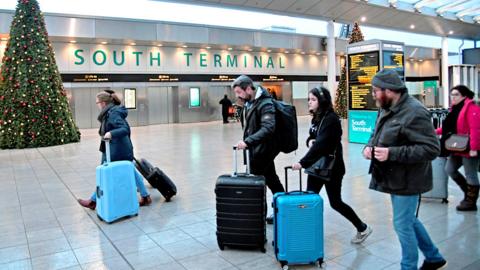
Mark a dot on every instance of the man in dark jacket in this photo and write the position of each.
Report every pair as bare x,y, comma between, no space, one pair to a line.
401,150
226,104
258,131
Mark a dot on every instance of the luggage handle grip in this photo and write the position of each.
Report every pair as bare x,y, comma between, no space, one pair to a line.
235,162
286,177
107,149
99,192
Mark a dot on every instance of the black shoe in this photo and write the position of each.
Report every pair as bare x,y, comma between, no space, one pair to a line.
269,219
433,265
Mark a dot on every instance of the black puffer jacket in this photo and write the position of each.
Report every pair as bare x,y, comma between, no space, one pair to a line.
327,140
406,129
259,129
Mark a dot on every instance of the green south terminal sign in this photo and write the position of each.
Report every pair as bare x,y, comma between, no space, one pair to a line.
100,58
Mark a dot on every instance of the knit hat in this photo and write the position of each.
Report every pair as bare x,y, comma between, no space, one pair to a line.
388,79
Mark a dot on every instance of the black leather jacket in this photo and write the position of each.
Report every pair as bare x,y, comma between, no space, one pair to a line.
258,132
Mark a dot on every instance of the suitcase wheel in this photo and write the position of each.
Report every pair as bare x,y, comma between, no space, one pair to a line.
220,245
444,200
169,198
263,250
320,263
284,265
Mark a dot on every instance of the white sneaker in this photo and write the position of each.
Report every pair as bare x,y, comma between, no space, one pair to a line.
361,236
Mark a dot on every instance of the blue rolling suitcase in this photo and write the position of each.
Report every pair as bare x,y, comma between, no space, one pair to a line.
298,226
116,189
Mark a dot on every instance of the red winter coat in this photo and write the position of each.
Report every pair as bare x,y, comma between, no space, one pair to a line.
468,122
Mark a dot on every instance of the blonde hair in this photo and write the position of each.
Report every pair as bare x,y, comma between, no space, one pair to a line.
108,96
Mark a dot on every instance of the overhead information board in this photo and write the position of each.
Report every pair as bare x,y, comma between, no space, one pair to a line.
361,69
394,60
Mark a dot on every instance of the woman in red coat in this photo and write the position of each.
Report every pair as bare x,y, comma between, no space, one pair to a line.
463,118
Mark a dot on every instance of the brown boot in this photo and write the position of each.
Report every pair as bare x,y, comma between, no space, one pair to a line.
145,201
462,183
470,203
87,203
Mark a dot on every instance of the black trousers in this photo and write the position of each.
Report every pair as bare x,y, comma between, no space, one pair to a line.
271,178
225,117
334,193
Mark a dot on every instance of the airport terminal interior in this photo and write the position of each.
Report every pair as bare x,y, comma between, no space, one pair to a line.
171,62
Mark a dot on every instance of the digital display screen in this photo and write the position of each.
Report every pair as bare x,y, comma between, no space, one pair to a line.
194,97
130,98
361,69
394,60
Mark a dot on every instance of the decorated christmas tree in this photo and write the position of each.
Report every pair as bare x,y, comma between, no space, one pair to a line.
341,98
34,109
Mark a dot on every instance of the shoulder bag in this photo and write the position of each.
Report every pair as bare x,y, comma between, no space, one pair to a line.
322,168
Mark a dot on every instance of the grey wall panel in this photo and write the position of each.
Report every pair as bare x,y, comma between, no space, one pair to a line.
142,104
272,40
301,106
82,99
70,27
307,43
125,30
95,111
5,22
182,33
174,104
230,36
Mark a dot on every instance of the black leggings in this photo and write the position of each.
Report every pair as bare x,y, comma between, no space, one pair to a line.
334,192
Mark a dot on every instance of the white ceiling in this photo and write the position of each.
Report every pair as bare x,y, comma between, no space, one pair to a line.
389,14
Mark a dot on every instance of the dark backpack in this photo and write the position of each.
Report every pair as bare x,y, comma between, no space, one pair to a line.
286,130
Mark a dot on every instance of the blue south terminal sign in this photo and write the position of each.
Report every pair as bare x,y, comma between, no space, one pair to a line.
361,125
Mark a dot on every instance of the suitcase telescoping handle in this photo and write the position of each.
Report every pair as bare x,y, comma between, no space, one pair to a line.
286,177
107,149
235,162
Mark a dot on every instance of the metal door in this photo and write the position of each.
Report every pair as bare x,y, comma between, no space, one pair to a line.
158,106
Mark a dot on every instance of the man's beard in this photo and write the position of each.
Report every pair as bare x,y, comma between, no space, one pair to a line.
384,102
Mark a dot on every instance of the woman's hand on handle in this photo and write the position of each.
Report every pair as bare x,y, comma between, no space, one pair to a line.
107,136
296,166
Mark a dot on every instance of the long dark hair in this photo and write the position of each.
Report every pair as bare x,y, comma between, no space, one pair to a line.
324,102
464,91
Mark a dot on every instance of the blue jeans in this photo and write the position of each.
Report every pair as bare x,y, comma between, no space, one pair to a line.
470,165
138,181
411,233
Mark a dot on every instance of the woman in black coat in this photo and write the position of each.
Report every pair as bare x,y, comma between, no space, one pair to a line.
325,139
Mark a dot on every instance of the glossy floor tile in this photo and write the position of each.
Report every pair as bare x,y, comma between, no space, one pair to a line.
43,227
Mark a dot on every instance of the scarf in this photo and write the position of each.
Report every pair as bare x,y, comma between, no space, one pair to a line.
102,118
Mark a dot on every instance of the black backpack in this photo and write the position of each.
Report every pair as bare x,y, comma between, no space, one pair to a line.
286,130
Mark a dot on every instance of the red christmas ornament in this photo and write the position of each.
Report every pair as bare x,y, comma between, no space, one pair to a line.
46,117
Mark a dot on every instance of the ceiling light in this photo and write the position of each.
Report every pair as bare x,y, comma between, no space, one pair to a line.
450,32
420,60
184,46
230,48
412,26
71,41
208,47
159,45
104,42
133,43
286,51
250,50
363,18
269,50
318,53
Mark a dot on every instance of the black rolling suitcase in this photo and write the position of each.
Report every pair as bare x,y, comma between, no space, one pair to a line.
241,202
157,178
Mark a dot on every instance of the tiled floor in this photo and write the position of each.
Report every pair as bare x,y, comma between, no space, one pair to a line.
43,227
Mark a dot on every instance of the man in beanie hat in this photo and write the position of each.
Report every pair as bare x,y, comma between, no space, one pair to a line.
258,132
401,150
